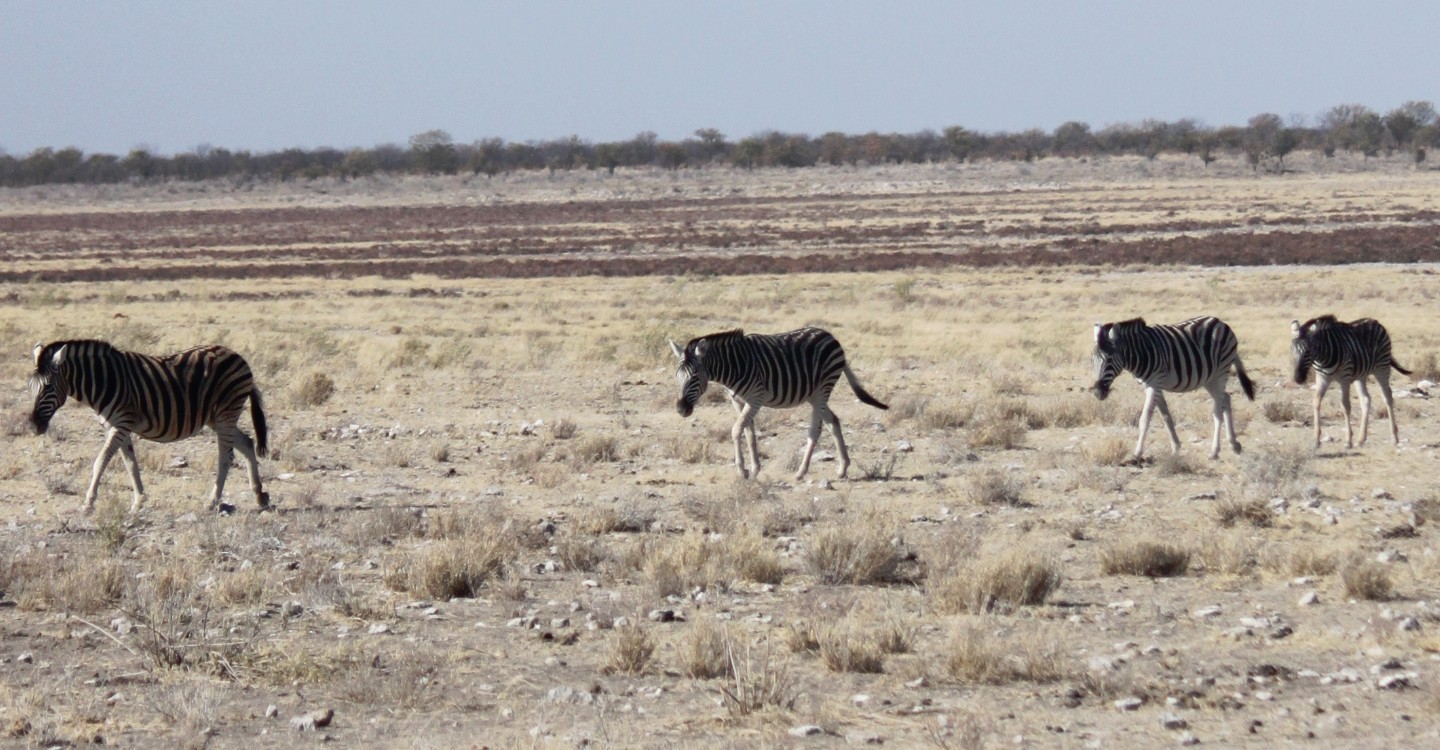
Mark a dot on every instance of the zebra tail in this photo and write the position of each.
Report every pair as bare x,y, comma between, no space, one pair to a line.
1245,382
257,415
861,393
1398,368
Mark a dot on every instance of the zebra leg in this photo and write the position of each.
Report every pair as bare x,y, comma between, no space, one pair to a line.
1345,405
1382,378
1230,423
222,467
1146,412
113,440
127,452
815,419
839,441
737,433
1364,410
247,449
1320,387
1164,408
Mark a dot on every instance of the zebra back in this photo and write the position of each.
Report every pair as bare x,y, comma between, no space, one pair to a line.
1179,357
1345,351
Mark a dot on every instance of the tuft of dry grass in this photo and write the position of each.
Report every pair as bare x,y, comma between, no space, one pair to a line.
1111,450
930,413
759,682
1277,411
981,652
704,651
997,582
1276,471
992,431
1144,558
449,568
849,646
705,561
1256,512
1303,559
1169,464
579,553
312,389
995,487
1366,580
629,650
858,555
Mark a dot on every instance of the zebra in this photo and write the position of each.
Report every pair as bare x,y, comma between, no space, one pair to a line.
1197,353
157,398
1345,353
780,371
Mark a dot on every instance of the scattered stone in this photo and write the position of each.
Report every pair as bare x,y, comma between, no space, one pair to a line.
292,609
1408,623
1122,605
590,583
860,699
271,711
1205,612
863,738
904,446
1264,695
312,721
1309,598
1129,704
1394,682
805,730
1201,496
663,615
567,694
26,658
559,622
1387,665
1188,739
1391,555
522,622
1259,623
918,682
378,628
1381,494
1173,721
1284,631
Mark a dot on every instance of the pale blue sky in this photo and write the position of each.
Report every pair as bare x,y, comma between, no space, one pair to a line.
108,76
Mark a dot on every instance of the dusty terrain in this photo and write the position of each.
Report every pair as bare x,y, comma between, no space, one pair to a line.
494,530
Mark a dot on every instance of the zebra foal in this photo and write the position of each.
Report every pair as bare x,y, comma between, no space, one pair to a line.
1344,353
157,398
779,371
1197,353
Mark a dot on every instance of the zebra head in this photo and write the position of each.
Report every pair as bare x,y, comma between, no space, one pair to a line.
691,373
48,384
1106,359
1302,348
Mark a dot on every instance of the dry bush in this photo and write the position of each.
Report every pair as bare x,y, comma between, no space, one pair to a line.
802,636
439,452
688,449
1017,410
245,586
629,650
191,705
280,663
1111,450
680,565
760,682
992,431
705,651
860,555
1256,512
1366,579
1080,411
1299,559
848,646
579,553
930,413
312,389
997,581
382,526
1283,412
896,634
563,429
1228,553
407,679
178,626
449,568
1426,368
83,581
525,459
977,653
995,487
609,520
411,353
1276,471
1171,464
749,506
593,449
1144,558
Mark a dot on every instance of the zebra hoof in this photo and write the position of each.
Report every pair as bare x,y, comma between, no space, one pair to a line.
225,509
264,501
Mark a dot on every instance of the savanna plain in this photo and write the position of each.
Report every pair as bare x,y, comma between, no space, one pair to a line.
492,528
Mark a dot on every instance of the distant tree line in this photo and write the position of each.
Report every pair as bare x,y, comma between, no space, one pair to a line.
1265,140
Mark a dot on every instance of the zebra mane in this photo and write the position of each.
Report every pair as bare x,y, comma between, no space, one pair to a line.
45,359
1319,324
1128,325
722,336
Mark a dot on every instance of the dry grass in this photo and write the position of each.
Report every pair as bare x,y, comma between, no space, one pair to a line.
999,581
313,389
1366,580
1111,450
982,652
849,646
995,487
851,555
692,561
1257,513
704,651
1284,411
760,681
449,568
629,650
1144,558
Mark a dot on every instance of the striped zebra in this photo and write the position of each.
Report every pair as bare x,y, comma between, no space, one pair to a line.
779,371
1344,353
1197,353
157,398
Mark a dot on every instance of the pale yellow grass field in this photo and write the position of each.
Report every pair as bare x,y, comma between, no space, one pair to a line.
447,391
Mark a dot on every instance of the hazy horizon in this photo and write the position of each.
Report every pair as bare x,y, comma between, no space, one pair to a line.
265,76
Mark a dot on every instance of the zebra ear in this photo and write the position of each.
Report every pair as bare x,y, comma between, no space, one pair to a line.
679,353
39,347
701,346
1098,328
1294,329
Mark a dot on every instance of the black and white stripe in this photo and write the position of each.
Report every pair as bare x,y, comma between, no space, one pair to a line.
1344,353
780,371
157,398
1197,353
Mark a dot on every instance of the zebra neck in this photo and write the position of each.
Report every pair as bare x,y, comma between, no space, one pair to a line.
726,369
